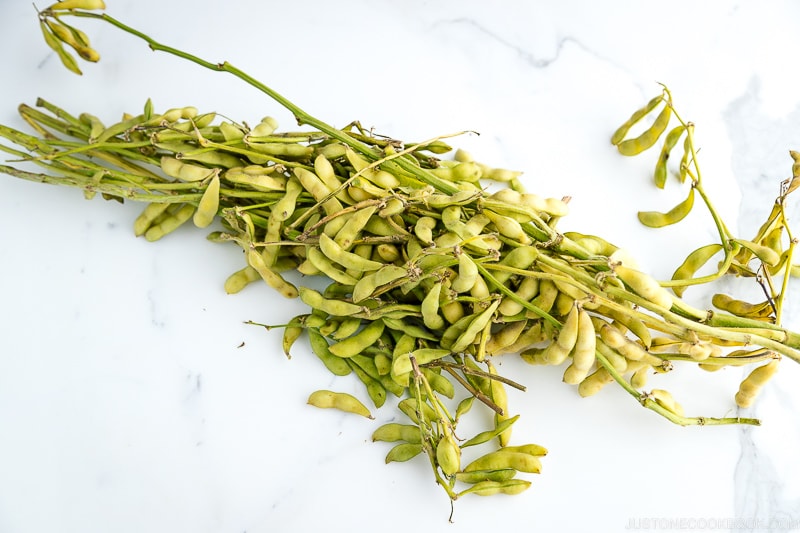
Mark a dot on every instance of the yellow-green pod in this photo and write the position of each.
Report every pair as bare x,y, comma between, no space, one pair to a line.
594,382
467,274
347,326
763,253
175,217
393,432
649,137
284,208
272,278
474,328
655,219
430,308
753,383
357,343
240,279
508,227
500,399
209,204
148,215
294,328
326,266
403,452
506,336
660,174
231,132
353,226
522,462
349,260
638,115
448,455
644,285
342,401
316,300
364,287
693,262
490,488
477,476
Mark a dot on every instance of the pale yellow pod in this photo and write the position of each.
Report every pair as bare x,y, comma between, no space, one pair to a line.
568,335
284,208
594,382
583,353
752,384
664,399
209,204
448,455
638,379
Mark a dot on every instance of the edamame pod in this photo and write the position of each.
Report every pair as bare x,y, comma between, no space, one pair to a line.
357,343
342,401
753,383
393,432
655,219
209,204
315,300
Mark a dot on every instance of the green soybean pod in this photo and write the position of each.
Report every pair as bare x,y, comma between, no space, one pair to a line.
754,382
294,328
660,174
648,137
522,462
693,262
439,383
240,279
489,488
177,215
467,274
272,278
316,300
476,476
403,452
285,207
656,219
326,399
486,436
357,343
638,115
393,432
349,260
448,455
763,253
209,204
336,365
500,399
319,260
375,389
430,308
148,215
531,449
347,327
353,226
474,328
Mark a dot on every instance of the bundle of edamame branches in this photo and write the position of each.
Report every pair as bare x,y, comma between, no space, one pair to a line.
430,275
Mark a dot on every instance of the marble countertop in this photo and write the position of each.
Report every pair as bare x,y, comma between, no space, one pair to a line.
134,398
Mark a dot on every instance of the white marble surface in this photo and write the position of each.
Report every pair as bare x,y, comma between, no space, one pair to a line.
132,396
